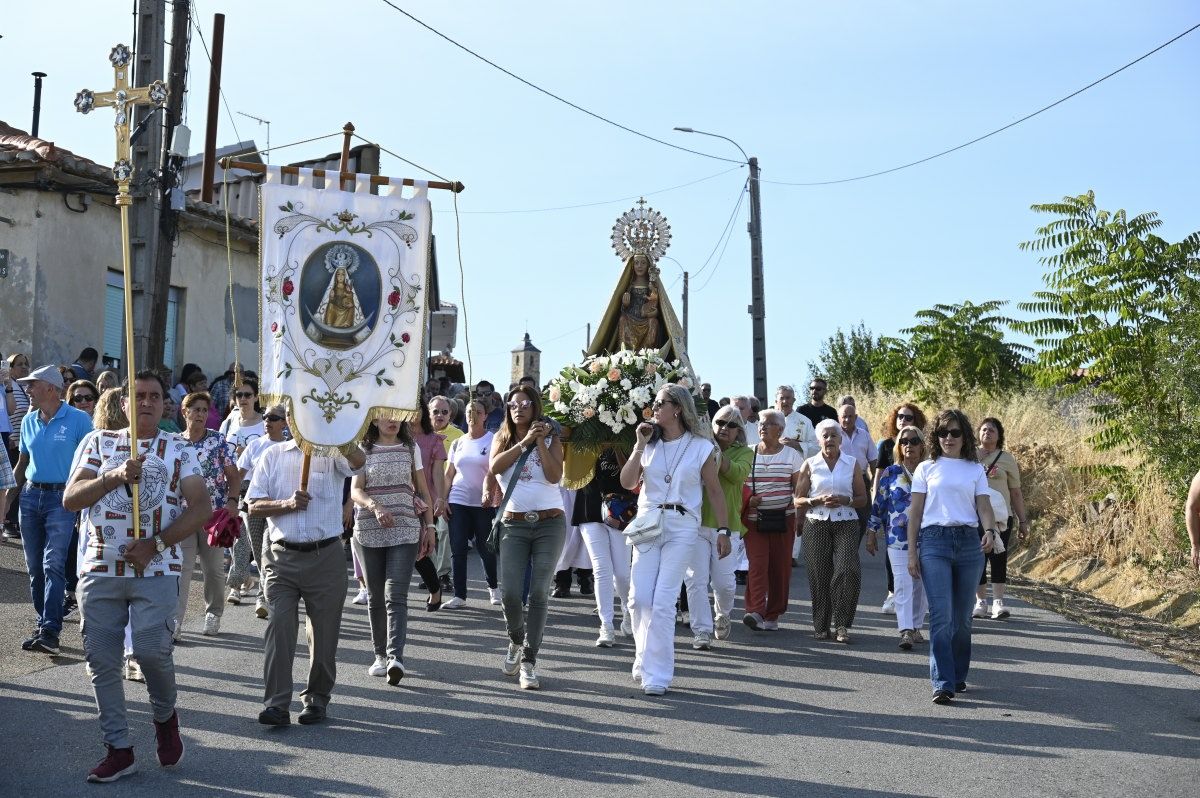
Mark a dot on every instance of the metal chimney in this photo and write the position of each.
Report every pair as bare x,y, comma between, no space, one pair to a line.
37,102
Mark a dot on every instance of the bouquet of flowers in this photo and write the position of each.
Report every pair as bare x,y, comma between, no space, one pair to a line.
605,397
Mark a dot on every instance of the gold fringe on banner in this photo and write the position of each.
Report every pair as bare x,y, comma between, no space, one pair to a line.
319,450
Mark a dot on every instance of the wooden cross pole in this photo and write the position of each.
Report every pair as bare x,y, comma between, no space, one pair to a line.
123,99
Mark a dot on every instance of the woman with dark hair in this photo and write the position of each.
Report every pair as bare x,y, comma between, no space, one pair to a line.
432,448
181,388
471,496
676,462
533,526
903,414
1004,477
390,536
244,423
949,498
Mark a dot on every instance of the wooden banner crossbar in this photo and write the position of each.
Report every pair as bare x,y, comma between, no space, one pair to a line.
376,180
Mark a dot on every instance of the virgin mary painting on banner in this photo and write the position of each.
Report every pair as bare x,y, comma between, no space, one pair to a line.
344,313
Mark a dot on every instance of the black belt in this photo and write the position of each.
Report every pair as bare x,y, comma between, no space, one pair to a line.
320,544
677,507
48,485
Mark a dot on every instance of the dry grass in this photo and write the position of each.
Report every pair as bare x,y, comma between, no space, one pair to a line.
1075,522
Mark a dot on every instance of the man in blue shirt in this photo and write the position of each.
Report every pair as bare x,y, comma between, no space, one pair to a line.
50,433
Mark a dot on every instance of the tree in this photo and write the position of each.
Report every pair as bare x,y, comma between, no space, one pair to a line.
1122,303
951,351
847,361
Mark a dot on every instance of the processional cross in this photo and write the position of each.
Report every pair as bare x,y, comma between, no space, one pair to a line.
123,99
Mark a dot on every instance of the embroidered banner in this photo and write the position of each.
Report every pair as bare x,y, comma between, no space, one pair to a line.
344,313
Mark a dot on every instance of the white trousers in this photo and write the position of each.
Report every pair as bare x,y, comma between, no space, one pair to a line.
708,566
738,554
655,579
610,566
911,603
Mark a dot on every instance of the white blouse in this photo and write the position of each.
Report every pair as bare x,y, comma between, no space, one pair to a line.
839,481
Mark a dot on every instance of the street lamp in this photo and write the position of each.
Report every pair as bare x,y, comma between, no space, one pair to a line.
757,307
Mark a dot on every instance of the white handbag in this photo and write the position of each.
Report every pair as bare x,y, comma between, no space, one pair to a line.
645,527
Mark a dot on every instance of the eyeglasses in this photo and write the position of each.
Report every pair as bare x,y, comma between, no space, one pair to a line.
244,395
79,399
723,424
816,388
658,403
910,441
949,433
272,417
905,417
519,404
439,412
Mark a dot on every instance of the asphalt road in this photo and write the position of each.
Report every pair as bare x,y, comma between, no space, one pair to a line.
1053,709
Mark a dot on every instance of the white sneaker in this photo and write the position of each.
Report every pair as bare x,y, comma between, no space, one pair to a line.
998,610
234,597
626,626
395,671
454,603
512,660
529,678
722,628
212,624
771,626
607,637
494,596
980,610
260,607
702,641
889,604
361,596
133,671
380,666
654,689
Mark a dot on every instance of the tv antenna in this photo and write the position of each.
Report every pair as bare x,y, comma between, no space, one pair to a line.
266,122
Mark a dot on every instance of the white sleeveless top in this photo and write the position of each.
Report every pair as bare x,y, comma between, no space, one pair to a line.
840,481
682,458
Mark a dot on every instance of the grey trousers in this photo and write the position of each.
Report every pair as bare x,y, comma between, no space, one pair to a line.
388,570
212,565
524,544
318,577
147,604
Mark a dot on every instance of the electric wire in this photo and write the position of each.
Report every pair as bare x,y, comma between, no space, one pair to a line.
978,139
721,257
725,231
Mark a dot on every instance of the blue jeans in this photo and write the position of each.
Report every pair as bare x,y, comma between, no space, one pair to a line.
46,528
467,522
951,562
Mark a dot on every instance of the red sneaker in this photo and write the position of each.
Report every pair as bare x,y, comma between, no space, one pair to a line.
170,745
119,762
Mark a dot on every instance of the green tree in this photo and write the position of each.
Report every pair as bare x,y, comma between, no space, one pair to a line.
951,351
1122,303
847,361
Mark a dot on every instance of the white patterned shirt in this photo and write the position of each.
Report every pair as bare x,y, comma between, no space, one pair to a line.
277,477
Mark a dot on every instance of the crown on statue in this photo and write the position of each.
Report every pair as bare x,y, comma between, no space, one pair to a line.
641,231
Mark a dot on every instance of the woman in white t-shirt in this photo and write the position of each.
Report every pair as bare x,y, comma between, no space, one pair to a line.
949,499
677,470
471,498
245,423
534,525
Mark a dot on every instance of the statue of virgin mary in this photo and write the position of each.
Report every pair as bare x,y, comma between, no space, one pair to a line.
339,317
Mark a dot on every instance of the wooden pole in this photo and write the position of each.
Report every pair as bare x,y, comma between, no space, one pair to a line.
214,104
376,180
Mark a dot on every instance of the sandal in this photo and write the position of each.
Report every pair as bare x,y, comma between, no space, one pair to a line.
431,605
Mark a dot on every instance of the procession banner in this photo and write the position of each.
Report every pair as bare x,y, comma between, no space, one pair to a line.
343,309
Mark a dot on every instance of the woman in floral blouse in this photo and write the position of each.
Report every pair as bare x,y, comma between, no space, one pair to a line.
889,514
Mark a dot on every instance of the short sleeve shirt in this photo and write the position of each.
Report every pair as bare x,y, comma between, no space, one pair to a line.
108,524
771,479
388,474
252,453
51,446
471,458
213,453
950,486
1002,475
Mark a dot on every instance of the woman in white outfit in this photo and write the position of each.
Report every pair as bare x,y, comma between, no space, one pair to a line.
601,511
676,469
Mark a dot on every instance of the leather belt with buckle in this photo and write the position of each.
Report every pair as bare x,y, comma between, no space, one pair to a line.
533,516
48,485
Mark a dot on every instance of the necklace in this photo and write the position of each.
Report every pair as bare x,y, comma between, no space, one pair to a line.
678,459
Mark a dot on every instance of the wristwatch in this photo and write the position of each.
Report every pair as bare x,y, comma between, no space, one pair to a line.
159,544
724,530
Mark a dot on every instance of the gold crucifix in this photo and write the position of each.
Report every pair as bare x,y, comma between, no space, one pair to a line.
122,99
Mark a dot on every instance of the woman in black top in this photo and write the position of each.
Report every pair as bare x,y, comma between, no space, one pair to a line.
602,509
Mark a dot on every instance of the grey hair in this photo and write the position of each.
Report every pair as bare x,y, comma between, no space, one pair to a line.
772,414
847,400
682,398
782,388
279,409
825,424
728,411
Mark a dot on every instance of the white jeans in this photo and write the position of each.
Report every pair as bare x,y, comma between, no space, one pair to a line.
911,604
655,579
706,566
610,564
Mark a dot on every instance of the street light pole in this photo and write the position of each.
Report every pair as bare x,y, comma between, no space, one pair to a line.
757,308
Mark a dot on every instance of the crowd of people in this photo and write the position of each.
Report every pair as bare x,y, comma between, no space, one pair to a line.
712,495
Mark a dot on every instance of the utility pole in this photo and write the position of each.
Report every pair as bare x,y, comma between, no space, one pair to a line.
143,215
685,310
757,308
158,287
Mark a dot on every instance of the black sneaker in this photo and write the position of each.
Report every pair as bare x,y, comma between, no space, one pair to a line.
942,697
47,643
274,716
11,532
69,604
27,644
961,687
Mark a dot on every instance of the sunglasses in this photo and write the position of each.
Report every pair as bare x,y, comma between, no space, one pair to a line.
949,433
910,441
816,388
79,399
905,417
724,424
244,395
658,403
272,417
439,412
519,404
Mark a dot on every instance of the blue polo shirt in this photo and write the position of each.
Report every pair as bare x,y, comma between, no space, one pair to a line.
51,447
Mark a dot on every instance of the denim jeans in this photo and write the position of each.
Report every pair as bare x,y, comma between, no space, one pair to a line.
467,522
951,561
535,546
46,528
387,571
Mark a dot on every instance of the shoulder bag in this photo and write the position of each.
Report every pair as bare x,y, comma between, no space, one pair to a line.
493,539
648,524
770,522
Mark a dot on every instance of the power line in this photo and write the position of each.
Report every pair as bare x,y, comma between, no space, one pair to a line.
551,94
978,139
721,257
725,231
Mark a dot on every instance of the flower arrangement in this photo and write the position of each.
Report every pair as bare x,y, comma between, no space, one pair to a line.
603,398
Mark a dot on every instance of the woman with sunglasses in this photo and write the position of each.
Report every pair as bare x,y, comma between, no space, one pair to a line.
901,415
676,462
275,422
214,452
533,526
829,488
893,497
244,423
949,499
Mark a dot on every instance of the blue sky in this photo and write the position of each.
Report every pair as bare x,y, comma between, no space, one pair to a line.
816,92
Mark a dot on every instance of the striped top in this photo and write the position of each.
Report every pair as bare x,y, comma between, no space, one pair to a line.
771,478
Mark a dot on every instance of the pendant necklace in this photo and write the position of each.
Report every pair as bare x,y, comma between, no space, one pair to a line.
678,459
